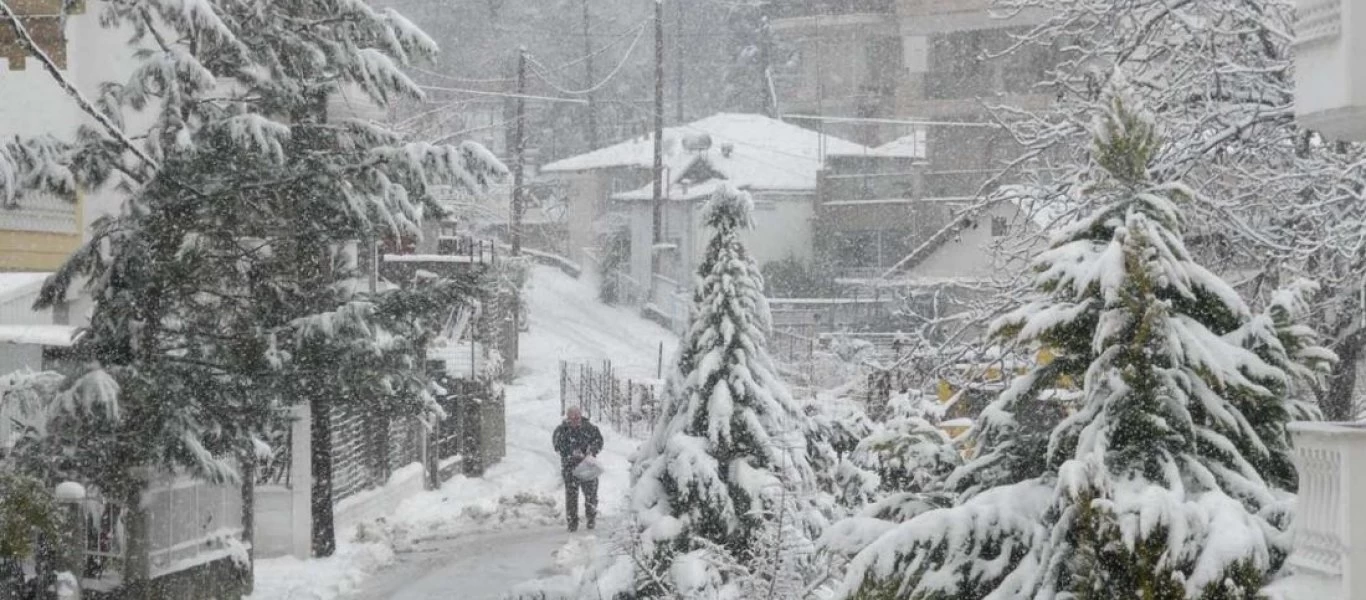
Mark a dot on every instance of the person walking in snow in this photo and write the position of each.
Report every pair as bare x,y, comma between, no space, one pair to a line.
576,439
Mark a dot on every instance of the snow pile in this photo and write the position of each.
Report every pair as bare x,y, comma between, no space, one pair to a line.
451,511
570,561
320,579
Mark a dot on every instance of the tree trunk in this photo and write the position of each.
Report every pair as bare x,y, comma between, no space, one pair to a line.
137,547
248,469
324,534
1337,403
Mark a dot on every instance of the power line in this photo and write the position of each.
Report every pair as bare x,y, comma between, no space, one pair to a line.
435,88
460,79
624,59
439,108
454,134
617,39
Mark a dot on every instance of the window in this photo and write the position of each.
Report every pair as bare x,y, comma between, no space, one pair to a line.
999,227
869,248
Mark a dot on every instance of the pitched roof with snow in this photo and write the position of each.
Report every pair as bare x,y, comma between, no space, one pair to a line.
750,151
915,145
15,284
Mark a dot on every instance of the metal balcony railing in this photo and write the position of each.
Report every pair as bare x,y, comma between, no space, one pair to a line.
809,8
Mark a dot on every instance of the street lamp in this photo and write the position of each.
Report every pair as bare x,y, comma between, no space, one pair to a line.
1330,67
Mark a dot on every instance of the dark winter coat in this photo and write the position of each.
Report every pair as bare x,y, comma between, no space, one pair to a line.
585,440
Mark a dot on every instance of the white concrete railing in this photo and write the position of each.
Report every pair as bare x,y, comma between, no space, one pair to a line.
284,520
1329,556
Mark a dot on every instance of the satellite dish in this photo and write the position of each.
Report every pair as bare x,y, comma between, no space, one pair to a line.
697,142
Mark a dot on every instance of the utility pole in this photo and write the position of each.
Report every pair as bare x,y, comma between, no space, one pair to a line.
519,153
659,145
588,81
518,166
678,63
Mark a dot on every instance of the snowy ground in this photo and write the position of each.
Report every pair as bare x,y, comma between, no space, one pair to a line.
475,538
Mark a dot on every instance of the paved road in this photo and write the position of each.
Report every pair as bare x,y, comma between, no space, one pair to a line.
480,566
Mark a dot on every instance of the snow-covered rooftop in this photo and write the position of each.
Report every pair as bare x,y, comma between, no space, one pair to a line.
675,191
751,151
914,145
15,284
61,336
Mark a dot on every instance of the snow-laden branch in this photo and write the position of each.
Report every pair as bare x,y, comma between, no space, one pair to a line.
26,40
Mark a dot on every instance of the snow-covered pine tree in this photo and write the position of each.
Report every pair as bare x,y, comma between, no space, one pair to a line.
223,266
727,459
908,451
1279,335
1165,478
837,425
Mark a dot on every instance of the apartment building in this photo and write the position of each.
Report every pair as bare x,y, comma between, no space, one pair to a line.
840,58
915,78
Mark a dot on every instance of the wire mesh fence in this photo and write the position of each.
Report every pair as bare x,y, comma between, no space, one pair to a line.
629,406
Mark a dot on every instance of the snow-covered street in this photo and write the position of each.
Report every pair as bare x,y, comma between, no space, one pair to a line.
475,538
475,565
817,299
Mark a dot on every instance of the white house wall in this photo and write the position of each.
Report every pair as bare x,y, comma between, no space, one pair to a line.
782,227
970,253
33,104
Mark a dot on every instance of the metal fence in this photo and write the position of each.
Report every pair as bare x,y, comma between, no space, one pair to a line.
368,448
629,406
791,348
474,433
185,524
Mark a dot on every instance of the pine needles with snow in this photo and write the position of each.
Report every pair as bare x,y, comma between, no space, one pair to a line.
1167,474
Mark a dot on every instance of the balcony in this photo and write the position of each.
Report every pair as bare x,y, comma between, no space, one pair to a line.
1328,559
1330,78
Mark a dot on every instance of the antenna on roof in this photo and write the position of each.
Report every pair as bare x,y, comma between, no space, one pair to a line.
697,142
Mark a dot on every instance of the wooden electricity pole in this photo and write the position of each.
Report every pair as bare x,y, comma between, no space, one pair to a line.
518,165
588,81
659,145
519,154
678,64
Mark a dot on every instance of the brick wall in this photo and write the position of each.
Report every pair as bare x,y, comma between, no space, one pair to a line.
41,19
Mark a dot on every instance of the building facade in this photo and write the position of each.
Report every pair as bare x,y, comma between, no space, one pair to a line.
843,58
917,78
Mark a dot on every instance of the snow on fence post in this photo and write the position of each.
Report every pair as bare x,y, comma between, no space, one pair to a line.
1329,553
71,539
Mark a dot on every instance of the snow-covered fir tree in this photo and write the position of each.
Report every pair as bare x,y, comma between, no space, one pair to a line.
1167,476
223,287
717,493
1280,336
837,425
908,451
